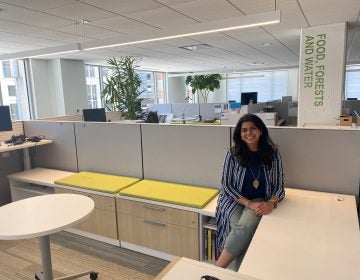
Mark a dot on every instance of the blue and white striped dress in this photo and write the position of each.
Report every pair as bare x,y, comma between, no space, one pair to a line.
232,183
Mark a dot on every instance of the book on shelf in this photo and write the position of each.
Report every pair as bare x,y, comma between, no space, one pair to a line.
210,245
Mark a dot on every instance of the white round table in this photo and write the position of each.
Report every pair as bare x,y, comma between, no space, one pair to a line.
41,216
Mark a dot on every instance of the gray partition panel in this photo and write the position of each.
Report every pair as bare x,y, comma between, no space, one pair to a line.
185,154
59,155
207,111
159,108
189,109
111,148
318,159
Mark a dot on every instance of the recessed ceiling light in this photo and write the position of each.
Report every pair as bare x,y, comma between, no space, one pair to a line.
256,63
196,47
265,45
85,21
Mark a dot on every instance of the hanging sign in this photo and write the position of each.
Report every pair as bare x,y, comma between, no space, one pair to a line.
321,74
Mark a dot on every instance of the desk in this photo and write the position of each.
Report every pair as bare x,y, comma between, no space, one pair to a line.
183,120
311,235
184,268
25,147
41,216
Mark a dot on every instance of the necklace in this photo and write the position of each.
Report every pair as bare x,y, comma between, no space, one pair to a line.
256,181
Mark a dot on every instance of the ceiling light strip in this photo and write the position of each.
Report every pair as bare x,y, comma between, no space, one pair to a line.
233,23
43,52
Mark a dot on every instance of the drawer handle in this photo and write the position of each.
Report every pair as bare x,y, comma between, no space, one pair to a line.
153,208
154,223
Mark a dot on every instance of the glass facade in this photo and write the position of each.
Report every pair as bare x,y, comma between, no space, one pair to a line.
352,82
14,91
270,85
152,86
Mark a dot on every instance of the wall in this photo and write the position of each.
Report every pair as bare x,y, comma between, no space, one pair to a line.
40,87
10,162
176,89
58,86
74,85
293,80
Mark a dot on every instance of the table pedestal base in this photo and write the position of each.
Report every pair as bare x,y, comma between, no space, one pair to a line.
46,274
93,276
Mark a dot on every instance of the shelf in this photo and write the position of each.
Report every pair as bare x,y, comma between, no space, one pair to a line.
209,226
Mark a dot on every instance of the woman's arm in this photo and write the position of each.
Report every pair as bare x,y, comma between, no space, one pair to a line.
278,178
227,179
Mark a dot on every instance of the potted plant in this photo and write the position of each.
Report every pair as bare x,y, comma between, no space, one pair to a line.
204,84
122,87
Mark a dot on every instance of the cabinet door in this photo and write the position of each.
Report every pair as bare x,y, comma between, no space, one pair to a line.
101,202
102,221
158,213
168,238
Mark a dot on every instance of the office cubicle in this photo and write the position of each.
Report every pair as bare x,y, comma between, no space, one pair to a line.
112,148
59,155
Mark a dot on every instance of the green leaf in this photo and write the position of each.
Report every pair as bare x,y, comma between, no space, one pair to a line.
122,86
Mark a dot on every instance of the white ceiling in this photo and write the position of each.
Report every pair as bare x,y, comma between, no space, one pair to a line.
34,24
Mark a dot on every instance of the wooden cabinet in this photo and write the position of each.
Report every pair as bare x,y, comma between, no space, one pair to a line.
102,220
166,229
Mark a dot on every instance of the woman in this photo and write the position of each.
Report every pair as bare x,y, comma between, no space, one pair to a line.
252,184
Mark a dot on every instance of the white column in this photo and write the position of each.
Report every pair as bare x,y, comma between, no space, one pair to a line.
321,74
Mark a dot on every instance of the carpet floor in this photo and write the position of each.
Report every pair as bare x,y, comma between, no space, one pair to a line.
72,254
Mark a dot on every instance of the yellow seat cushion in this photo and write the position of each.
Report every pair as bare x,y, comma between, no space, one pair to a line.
186,195
97,181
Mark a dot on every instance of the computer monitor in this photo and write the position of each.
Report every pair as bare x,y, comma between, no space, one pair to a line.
247,96
94,115
286,98
234,105
5,119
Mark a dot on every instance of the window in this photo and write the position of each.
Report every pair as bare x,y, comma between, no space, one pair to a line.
152,85
6,69
352,82
270,85
93,86
12,90
14,112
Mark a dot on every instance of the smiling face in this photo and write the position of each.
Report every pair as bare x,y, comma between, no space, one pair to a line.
250,134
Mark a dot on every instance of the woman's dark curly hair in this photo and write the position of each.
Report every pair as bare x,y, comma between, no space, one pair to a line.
266,146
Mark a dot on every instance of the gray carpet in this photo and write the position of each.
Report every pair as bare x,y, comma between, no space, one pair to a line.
110,253
71,254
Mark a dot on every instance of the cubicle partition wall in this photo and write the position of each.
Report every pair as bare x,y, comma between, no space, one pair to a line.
205,110
188,109
320,159
326,160
59,155
315,159
160,108
184,154
112,148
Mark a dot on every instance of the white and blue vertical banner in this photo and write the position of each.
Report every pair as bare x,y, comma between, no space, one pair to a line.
321,74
